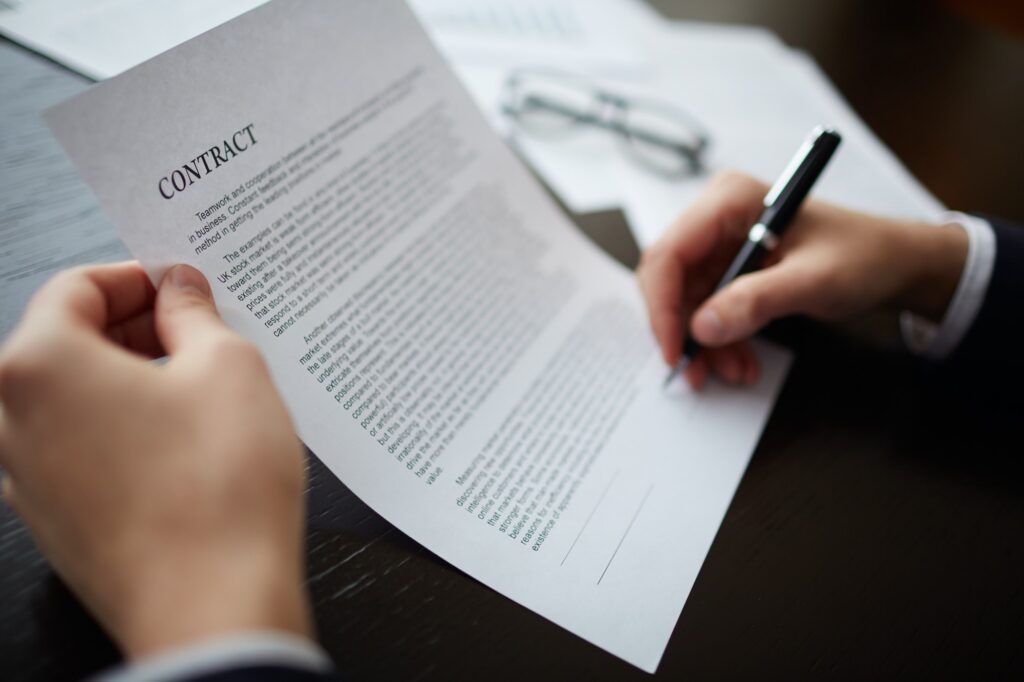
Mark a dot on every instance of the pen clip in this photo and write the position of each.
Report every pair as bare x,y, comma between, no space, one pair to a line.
794,164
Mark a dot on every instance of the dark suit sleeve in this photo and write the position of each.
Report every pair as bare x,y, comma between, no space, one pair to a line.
990,357
264,674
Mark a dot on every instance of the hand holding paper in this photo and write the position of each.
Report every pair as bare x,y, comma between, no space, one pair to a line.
143,496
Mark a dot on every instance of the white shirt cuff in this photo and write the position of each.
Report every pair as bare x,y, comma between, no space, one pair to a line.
224,653
938,341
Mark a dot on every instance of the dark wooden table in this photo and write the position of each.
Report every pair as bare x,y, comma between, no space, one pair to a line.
878,532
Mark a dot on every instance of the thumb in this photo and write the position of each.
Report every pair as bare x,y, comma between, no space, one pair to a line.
185,312
746,305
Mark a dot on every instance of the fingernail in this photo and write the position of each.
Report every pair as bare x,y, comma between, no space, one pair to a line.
707,326
185,278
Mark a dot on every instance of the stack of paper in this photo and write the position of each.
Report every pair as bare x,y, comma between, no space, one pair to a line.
757,98
102,38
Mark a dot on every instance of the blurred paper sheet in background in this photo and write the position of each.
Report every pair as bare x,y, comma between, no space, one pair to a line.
102,38
553,32
756,98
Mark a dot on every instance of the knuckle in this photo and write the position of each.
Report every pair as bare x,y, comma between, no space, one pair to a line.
817,279
71,279
183,301
62,280
730,177
69,276
736,183
807,285
724,177
32,355
794,276
19,370
750,301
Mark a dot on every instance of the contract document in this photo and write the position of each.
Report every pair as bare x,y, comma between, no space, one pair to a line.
449,345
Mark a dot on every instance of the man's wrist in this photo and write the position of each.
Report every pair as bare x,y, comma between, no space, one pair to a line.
938,340
938,254
268,598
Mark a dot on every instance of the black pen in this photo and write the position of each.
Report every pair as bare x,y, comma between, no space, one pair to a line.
780,205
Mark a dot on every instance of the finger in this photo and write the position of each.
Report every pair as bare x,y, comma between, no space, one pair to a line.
725,209
749,303
94,296
726,363
70,313
137,334
736,364
730,201
696,373
185,312
661,281
75,306
752,365
747,360
126,288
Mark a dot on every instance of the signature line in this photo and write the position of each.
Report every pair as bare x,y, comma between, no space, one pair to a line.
630,526
592,511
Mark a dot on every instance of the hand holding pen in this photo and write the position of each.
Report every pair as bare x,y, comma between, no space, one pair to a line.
831,263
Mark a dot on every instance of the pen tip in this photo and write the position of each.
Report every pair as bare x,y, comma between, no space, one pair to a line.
680,367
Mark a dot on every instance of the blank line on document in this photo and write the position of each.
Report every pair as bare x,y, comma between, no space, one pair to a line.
592,511
628,528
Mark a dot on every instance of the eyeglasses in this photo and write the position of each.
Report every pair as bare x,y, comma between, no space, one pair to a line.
552,104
